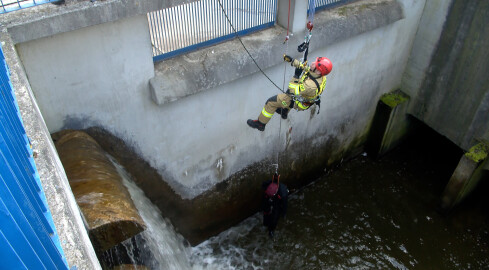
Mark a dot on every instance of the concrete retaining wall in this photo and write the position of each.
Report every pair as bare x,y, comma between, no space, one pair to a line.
99,76
89,64
450,84
93,76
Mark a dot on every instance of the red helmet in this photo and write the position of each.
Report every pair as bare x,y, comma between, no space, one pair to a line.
323,64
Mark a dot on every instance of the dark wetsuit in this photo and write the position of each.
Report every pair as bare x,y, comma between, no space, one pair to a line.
273,207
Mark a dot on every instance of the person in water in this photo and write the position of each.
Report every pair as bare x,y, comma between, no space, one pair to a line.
274,203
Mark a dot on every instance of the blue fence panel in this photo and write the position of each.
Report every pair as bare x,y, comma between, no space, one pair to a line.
187,27
28,239
11,5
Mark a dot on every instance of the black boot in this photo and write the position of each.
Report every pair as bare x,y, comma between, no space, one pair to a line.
256,124
283,112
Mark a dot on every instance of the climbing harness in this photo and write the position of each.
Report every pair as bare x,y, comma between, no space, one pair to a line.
304,47
303,71
305,103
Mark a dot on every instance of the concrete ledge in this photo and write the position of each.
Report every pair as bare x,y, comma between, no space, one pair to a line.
205,69
51,19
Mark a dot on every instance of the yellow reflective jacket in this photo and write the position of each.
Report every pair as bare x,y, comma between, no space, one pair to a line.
305,87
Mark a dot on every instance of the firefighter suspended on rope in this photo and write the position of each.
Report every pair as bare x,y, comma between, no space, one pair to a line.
304,90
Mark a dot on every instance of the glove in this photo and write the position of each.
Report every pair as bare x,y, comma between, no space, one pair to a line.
287,58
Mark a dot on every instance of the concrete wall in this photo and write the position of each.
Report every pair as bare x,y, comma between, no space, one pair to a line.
428,34
89,64
70,15
66,214
94,75
98,76
452,89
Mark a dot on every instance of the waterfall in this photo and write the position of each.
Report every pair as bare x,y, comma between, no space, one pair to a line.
166,245
161,247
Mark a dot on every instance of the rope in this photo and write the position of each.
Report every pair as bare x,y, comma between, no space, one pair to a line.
288,20
283,87
307,39
278,147
261,70
237,36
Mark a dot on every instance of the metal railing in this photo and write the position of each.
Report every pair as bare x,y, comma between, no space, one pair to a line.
324,4
28,239
187,27
11,5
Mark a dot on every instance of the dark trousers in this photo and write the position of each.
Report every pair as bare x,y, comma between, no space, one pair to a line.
270,219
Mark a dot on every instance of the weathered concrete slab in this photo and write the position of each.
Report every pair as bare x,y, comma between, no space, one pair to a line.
104,201
226,62
51,19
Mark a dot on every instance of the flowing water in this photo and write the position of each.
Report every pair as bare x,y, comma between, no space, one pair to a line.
365,214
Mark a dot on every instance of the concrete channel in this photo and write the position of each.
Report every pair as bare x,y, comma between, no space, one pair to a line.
178,125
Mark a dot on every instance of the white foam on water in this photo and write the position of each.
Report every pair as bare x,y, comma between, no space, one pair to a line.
169,248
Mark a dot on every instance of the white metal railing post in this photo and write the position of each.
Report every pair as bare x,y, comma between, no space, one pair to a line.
298,15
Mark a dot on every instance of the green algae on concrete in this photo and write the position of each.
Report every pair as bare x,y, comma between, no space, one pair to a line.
394,98
478,152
